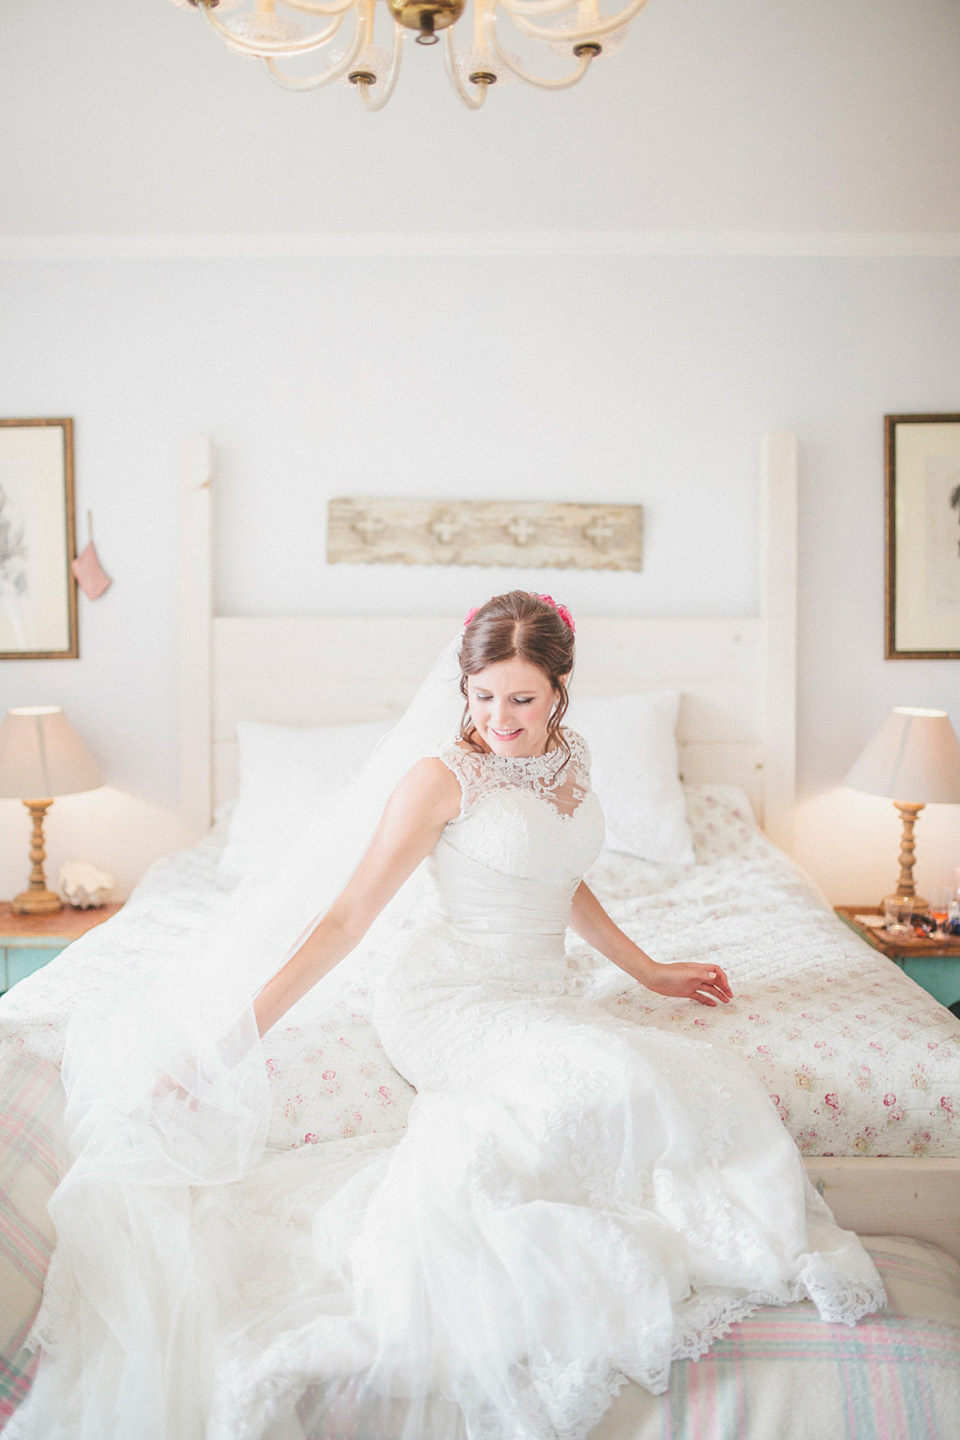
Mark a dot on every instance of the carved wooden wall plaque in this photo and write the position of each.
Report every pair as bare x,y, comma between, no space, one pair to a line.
527,533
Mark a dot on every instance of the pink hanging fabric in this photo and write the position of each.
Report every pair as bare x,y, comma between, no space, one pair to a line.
89,573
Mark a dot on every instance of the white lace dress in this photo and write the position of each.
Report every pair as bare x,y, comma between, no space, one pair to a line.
577,1201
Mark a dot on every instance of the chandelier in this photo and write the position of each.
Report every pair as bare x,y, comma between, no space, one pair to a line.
343,34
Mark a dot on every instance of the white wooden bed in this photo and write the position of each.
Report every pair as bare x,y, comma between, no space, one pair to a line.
737,724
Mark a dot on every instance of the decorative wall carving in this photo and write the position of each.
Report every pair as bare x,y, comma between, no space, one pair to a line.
527,533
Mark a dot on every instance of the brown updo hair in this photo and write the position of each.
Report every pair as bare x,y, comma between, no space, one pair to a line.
519,626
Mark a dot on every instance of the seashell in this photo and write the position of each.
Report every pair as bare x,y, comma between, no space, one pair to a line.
84,885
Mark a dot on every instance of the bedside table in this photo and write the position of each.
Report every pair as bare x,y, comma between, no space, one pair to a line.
933,961
27,942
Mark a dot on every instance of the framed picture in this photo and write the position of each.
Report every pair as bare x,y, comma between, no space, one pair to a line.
923,537
38,594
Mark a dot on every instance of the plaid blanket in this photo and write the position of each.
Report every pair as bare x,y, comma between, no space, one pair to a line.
783,1374
31,1108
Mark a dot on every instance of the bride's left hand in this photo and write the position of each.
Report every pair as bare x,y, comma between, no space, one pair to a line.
706,983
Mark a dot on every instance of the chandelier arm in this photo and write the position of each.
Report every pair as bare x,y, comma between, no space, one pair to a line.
323,77
584,32
390,83
537,7
472,101
313,7
481,8
541,82
261,49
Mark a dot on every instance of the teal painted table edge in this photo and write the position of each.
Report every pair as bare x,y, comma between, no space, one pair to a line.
27,943
935,966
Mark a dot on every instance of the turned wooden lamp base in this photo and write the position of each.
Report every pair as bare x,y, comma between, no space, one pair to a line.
906,893
37,899
36,902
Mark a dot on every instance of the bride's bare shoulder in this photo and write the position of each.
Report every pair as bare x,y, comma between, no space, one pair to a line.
430,785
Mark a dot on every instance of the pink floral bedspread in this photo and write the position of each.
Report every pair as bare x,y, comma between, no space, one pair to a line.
857,1058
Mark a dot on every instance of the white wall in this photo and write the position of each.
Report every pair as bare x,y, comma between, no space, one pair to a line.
646,377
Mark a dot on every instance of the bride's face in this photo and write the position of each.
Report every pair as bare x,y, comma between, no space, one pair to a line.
510,705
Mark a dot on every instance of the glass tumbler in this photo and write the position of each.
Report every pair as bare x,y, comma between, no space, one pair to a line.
897,916
940,897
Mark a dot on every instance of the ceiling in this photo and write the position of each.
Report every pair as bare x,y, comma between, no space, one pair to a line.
759,115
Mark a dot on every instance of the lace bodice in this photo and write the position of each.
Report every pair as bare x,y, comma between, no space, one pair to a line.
531,818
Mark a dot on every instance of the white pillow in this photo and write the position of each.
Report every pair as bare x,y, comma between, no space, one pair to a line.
285,772
635,772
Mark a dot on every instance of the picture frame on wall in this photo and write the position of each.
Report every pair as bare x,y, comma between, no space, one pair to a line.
38,592
922,537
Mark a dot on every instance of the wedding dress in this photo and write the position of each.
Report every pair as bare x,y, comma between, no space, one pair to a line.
577,1201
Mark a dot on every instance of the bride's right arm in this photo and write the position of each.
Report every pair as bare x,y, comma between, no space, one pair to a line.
427,799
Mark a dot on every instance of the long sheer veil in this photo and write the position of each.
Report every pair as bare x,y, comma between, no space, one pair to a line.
169,1091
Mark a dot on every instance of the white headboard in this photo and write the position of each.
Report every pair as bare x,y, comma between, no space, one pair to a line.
737,677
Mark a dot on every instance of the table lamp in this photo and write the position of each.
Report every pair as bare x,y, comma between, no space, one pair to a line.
41,754
914,758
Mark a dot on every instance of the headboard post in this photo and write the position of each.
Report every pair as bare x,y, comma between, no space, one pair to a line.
195,605
778,609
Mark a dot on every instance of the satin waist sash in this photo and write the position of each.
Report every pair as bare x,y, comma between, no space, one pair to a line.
500,912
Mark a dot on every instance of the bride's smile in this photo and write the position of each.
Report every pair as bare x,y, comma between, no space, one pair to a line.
510,706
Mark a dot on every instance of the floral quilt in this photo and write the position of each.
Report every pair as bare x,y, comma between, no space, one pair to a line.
857,1058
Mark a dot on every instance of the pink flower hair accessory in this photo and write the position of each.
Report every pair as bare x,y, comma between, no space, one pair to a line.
561,610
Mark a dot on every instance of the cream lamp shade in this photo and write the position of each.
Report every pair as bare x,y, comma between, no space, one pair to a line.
914,758
41,756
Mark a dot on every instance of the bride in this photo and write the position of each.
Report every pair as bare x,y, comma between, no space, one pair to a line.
578,1199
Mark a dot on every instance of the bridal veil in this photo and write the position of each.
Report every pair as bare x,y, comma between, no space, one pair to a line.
169,1092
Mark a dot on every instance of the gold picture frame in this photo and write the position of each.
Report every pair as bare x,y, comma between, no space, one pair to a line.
38,591
922,455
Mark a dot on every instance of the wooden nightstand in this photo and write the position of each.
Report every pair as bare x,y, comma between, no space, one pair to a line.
28,941
933,962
